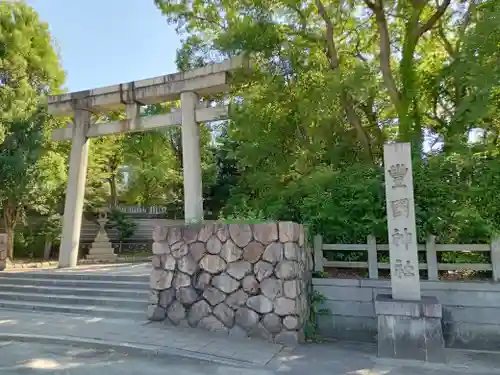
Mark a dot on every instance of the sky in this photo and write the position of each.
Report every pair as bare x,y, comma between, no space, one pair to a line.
106,42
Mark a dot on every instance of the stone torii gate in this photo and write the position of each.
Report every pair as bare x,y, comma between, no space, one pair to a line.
187,86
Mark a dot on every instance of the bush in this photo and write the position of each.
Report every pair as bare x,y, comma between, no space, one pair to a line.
455,198
123,224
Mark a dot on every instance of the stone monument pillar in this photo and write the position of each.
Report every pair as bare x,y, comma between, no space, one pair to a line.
102,249
409,325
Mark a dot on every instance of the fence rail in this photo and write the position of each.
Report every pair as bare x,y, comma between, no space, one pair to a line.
430,247
152,210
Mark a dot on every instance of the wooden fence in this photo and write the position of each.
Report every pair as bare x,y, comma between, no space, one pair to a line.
430,247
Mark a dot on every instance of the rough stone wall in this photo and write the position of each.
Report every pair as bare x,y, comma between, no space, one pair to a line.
243,279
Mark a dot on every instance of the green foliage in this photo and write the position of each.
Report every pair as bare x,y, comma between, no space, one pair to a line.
320,274
455,198
308,123
123,224
29,66
25,175
31,169
20,153
31,237
345,205
105,174
154,176
316,310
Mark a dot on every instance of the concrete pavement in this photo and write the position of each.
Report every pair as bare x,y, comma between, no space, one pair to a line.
29,358
37,342
131,335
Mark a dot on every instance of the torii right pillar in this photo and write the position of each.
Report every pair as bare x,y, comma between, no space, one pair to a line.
409,325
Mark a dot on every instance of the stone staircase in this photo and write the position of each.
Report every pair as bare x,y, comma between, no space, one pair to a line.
100,295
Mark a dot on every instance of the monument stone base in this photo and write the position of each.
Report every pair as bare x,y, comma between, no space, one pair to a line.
101,252
101,257
102,249
410,329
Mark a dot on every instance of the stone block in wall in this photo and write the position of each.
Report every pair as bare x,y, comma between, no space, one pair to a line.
242,279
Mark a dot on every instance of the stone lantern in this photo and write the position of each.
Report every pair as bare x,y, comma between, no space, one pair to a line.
102,249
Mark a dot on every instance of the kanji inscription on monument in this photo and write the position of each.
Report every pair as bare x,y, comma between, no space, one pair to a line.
405,280
403,238
400,207
398,172
403,270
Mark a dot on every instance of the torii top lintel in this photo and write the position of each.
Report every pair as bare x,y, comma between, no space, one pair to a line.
211,79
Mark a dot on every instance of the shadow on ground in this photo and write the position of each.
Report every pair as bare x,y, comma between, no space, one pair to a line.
252,357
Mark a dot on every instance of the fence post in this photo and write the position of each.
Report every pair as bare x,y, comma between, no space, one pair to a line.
306,236
372,257
308,249
431,256
495,257
318,253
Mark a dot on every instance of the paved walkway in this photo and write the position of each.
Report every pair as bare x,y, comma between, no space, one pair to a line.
158,341
166,339
125,269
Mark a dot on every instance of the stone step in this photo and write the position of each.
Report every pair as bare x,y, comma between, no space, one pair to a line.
140,294
100,256
121,293
140,284
119,303
74,276
97,311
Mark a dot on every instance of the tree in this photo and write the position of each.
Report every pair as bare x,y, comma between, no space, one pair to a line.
419,17
25,178
105,171
330,83
29,66
466,88
154,163
154,176
106,155
29,69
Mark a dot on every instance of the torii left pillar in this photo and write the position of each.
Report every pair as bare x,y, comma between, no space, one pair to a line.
75,192
191,159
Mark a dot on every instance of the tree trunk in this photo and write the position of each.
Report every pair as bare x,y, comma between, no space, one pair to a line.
3,254
113,191
47,247
346,100
10,215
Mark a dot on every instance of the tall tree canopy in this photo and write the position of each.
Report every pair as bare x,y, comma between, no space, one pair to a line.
29,65
332,81
31,170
